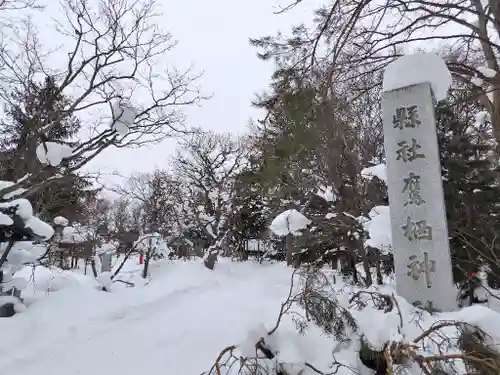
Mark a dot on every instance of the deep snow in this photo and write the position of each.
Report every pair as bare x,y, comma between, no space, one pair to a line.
179,320
177,324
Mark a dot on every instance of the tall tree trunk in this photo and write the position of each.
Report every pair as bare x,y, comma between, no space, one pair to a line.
213,251
147,259
351,268
380,278
289,249
61,259
6,253
211,259
365,256
93,266
367,269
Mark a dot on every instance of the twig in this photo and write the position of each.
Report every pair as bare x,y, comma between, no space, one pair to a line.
219,357
284,305
434,328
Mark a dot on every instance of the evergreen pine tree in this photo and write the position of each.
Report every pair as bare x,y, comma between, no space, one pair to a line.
471,190
27,113
249,219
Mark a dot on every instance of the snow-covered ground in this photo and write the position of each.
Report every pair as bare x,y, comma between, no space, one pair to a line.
179,320
177,324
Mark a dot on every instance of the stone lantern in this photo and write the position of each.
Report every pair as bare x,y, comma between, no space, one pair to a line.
58,232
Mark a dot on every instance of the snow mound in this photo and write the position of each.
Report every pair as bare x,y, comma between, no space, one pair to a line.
418,68
23,252
44,279
186,311
289,222
185,308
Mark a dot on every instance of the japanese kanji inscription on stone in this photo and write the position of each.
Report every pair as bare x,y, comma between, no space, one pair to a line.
418,219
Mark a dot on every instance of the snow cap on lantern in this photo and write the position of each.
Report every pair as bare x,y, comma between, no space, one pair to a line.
123,116
60,220
59,224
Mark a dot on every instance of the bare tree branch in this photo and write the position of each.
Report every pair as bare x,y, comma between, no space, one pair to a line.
115,54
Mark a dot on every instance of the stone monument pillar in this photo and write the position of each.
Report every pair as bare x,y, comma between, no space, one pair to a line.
418,216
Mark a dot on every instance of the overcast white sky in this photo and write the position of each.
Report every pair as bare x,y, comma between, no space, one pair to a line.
213,36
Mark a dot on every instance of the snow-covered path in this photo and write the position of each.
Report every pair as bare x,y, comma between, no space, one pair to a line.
175,325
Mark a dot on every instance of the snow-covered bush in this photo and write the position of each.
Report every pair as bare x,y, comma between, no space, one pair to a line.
378,223
378,226
152,246
50,279
405,340
19,228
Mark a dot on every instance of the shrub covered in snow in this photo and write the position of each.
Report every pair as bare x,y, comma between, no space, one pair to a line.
405,340
18,229
151,246
378,226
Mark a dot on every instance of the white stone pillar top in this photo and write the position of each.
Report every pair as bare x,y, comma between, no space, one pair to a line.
418,68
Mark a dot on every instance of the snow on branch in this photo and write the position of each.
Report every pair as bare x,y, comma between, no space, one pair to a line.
289,222
110,68
378,171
